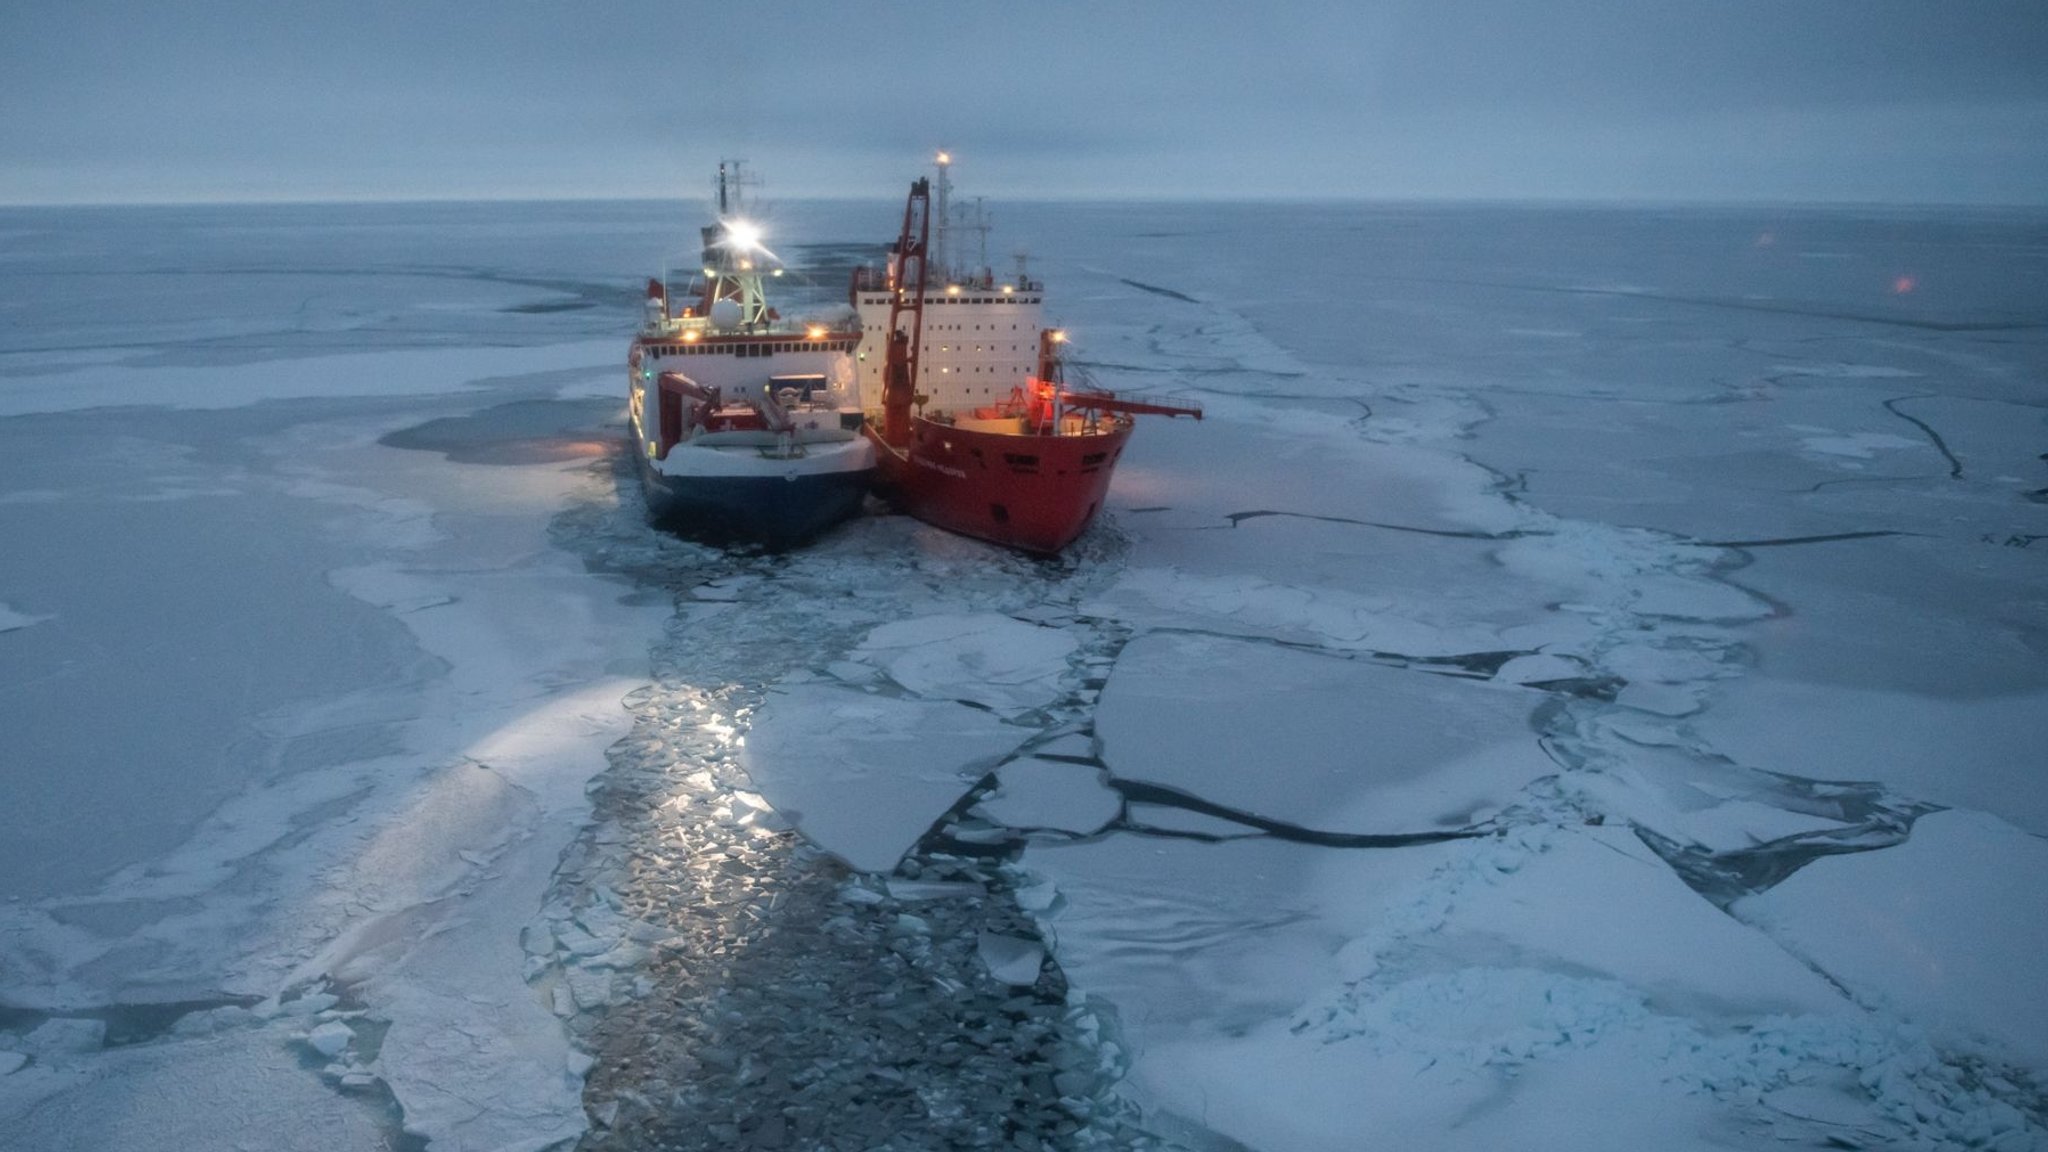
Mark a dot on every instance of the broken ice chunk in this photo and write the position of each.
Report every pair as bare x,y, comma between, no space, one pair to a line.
1660,699
992,660
852,672
590,989
913,890
1051,794
63,1035
330,1039
311,1004
10,1062
1538,667
1012,959
1037,897
862,776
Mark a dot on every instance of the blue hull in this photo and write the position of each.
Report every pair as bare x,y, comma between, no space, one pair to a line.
772,511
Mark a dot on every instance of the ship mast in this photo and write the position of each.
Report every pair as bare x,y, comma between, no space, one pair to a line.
733,255
941,244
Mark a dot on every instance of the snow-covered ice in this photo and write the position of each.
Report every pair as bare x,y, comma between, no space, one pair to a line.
1937,930
287,707
995,661
1580,687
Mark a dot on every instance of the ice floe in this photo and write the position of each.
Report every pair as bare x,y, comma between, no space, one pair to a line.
863,775
1939,929
1313,739
1001,663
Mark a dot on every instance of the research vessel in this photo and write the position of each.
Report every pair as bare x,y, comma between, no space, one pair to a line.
744,425
974,425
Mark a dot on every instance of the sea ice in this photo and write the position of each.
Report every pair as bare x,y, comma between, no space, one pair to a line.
1937,929
11,619
1013,960
1188,937
66,1036
1050,794
1316,740
996,661
330,1038
1979,751
865,776
236,1090
1575,901
385,373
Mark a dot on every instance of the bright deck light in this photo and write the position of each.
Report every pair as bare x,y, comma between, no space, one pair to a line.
743,234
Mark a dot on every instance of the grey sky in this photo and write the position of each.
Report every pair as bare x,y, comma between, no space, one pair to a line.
1715,99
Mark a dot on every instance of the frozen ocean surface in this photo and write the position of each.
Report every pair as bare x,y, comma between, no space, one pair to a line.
1584,686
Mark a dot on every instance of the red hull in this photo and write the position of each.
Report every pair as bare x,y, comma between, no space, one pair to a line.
1023,491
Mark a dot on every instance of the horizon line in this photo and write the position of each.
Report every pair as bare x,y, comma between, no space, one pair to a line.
1546,201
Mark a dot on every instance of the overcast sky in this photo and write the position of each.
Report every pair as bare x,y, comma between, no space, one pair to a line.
1858,100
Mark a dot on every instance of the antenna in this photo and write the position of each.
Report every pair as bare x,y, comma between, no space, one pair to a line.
942,254
732,179
980,227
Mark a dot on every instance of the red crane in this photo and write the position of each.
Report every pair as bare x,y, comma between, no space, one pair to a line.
907,278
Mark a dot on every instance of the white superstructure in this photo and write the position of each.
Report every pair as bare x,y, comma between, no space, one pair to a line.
980,330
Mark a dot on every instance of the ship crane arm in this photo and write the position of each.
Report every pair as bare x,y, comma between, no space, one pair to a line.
1104,402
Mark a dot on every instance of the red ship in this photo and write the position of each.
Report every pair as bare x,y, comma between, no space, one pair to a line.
975,429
